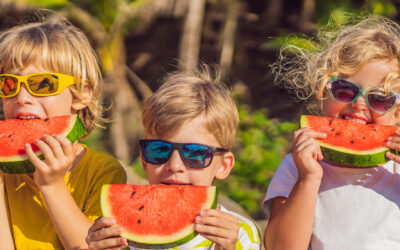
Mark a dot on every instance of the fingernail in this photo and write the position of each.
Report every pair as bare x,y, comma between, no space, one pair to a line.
198,226
202,212
388,143
26,145
198,219
112,221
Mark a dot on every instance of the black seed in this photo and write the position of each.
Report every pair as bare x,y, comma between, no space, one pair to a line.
139,221
332,130
373,129
46,119
141,207
337,133
351,141
363,137
9,136
133,193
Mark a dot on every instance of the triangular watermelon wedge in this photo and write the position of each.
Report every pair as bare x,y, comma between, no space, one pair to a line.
14,133
351,143
156,216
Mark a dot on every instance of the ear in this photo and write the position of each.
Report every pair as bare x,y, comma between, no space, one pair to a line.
227,163
143,162
87,94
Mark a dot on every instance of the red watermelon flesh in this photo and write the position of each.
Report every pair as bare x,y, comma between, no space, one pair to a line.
156,216
15,133
351,143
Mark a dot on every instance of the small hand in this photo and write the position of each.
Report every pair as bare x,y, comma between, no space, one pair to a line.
306,153
219,227
394,143
59,155
102,236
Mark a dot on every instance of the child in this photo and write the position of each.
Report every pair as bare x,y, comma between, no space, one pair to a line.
54,207
314,204
189,109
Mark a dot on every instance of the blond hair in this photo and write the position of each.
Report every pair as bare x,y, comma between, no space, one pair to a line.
341,52
185,96
56,45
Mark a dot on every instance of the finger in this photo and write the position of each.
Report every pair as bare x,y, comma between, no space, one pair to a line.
224,243
214,231
393,157
309,132
102,222
214,213
65,145
38,163
112,243
104,233
46,150
54,145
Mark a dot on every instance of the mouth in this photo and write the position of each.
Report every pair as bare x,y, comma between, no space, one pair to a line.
26,116
175,182
355,118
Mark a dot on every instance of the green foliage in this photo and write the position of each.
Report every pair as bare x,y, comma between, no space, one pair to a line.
298,41
382,7
260,146
48,4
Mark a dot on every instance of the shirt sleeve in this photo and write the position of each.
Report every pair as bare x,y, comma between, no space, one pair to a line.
282,183
108,171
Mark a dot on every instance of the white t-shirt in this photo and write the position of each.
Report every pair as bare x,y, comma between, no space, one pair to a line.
248,237
357,208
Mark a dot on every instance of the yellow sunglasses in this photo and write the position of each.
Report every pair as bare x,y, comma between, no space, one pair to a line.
39,84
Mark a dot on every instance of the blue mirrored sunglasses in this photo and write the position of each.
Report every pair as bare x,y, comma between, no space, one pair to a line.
193,155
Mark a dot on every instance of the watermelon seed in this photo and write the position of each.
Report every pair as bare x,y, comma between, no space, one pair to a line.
139,221
141,207
133,193
332,130
363,137
337,133
9,136
351,141
373,129
46,119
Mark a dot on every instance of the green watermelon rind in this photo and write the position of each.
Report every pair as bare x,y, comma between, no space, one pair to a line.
162,242
349,157
21,164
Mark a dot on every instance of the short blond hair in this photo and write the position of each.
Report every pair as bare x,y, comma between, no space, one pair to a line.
60,47
339,52
185,96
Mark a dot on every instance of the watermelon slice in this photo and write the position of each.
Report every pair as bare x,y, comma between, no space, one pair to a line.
156,216
14,133
351,143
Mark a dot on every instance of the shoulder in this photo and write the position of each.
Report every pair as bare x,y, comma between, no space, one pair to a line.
249,235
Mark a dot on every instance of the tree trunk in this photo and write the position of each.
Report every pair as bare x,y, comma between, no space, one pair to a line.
191,35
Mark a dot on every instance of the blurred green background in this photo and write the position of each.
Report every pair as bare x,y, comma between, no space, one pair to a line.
138,41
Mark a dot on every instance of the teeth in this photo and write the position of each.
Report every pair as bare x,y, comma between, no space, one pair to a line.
355,119
27,117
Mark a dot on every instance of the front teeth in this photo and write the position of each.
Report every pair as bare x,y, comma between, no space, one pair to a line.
27,117
355,120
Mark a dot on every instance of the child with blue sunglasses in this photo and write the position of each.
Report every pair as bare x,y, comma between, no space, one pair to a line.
190,124
313,204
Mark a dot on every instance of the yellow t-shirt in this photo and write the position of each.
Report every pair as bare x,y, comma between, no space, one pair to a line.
29,219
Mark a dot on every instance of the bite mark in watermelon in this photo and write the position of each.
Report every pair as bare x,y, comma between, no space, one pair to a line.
156,216
14,133
351,143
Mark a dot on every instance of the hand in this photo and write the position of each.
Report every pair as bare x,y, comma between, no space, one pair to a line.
59,155
394,143
219,227
102,236
306,153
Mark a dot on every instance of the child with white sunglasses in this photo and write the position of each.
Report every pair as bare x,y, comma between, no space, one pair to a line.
314,204
49,69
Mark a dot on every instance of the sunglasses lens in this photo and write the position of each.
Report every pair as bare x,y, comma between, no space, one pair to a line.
43,84
8,85
196,156
344,91
381,103
156,152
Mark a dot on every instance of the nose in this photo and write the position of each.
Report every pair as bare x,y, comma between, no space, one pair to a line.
23,97
360,103
175,163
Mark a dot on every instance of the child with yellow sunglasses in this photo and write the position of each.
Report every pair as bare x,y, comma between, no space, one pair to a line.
48,69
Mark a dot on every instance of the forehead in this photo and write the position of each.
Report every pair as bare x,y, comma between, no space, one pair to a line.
373,73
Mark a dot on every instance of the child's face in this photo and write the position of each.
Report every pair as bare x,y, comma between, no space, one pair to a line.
371,75
175,171
26,106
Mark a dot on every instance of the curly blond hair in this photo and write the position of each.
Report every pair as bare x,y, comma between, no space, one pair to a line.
339,52
60,47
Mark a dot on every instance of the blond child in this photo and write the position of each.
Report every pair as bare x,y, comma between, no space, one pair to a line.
55,206
190,111
314,204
